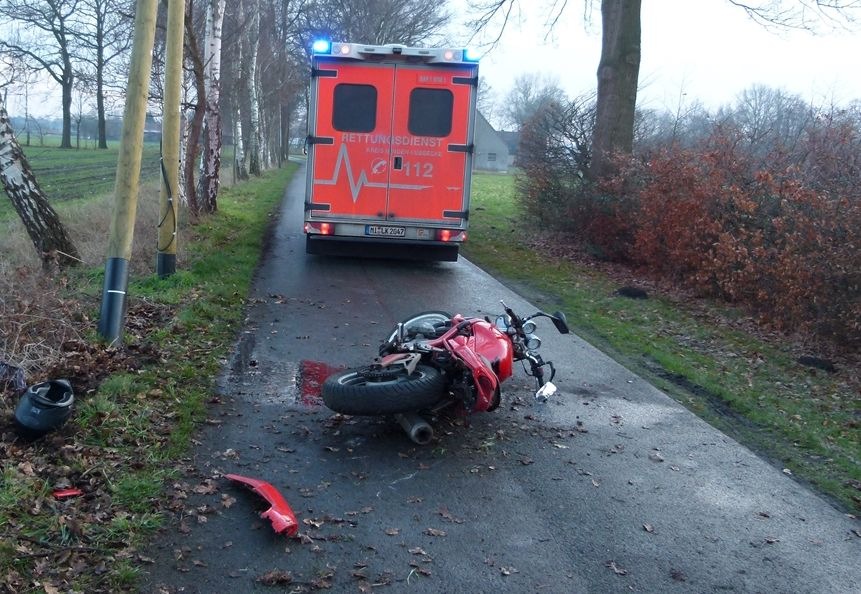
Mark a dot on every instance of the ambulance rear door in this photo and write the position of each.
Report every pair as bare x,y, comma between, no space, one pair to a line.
431,146
348,173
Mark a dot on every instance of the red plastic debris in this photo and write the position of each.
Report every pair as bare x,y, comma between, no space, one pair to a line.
282,517
66,493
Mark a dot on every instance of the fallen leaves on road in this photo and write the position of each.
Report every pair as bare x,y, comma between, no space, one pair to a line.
435,532
446,515
206,488
276,577
648,528
616,569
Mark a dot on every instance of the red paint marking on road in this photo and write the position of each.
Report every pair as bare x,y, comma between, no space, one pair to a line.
312,374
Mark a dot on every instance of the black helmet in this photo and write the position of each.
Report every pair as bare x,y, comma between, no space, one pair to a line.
44,407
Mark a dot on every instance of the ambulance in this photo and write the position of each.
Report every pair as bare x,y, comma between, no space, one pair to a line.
390,146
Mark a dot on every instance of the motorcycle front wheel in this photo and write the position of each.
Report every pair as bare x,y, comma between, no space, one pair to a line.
378,391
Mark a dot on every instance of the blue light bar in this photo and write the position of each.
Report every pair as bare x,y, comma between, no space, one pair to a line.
471,55
321,46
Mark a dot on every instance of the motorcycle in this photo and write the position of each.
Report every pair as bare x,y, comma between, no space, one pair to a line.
433,361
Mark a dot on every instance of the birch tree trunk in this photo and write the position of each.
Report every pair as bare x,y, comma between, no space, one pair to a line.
251,39
184,130
239,159
618,73
194,122
211,158
50,239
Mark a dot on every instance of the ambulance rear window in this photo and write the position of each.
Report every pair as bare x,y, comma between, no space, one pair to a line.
430,112
355,108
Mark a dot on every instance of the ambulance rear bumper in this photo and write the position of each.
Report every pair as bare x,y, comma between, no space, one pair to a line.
374,247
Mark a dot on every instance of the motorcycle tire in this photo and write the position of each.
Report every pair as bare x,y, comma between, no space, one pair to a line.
351,393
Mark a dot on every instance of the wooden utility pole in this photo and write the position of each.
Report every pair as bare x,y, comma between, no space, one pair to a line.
167,227
128,174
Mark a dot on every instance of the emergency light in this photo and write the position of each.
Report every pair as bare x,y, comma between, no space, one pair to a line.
321,46
471,54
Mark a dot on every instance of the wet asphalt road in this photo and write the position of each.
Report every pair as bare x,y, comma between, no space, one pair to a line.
610,487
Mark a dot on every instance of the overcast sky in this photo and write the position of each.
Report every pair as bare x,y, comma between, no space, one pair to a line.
707,49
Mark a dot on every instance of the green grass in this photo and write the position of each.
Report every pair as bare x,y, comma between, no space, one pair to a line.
749,388
71,174
129,435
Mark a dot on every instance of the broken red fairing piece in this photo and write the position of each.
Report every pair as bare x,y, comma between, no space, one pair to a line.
282,517
66,493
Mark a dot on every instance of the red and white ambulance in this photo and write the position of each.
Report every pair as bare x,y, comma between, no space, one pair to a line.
390,146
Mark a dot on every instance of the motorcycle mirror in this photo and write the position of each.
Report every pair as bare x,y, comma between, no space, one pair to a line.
560,322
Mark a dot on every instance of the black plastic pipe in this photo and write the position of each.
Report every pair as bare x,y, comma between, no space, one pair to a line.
165,264
113,311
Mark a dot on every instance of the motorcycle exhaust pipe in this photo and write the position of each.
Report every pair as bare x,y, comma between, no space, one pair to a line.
416,427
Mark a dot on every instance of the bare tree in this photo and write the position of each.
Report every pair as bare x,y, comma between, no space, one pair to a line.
810,15
249,106
104,34
46,38
410,22
618,70
528,94
80,103
555,145
770,118
211,161
196,110
41,221
486,101
283,71
618,73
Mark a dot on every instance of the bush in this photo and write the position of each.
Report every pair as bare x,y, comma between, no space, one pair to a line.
785,242
765,213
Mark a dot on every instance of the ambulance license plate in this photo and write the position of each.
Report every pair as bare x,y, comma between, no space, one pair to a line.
383,231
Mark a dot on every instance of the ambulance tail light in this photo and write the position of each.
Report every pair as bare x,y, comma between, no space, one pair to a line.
319,228
321,46
448,235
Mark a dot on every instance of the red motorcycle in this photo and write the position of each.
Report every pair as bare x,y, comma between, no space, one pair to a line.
433,361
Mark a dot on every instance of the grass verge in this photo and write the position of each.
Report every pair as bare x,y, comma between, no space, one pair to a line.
129,429
749,385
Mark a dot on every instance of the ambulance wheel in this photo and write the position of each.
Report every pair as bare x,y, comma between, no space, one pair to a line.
375,390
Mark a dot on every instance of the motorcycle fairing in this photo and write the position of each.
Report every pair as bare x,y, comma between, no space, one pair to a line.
486,382
280,514
495,346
